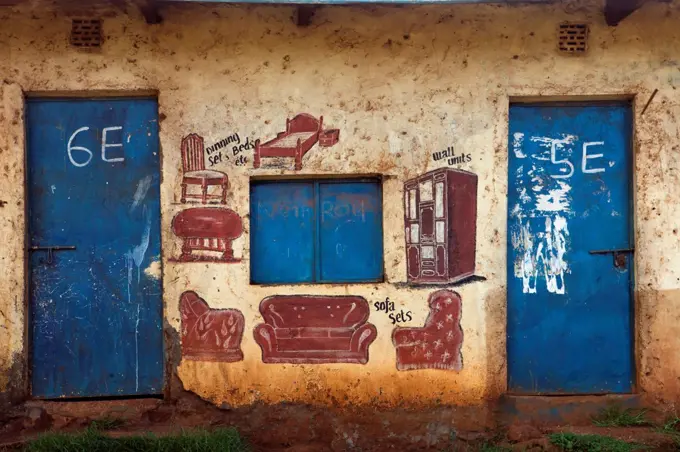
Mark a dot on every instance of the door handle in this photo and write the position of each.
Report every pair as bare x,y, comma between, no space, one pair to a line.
51,249
619,256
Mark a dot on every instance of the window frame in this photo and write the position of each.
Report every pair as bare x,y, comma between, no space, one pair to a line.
316,239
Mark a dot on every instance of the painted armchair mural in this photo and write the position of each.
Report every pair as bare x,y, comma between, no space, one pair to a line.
440,214
210,334
314,329
436,345
301,135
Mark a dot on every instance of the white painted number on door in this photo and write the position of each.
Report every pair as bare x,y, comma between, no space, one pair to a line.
105,145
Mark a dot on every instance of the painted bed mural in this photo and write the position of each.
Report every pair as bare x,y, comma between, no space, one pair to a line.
302,133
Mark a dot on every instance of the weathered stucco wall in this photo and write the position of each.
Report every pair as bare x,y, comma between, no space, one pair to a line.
399,83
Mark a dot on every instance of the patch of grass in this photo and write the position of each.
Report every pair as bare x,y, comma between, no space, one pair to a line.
591,443
93,440
670,426
486,447
615,416
107,423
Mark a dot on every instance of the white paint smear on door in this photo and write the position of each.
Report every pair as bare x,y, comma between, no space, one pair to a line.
541,231
543,254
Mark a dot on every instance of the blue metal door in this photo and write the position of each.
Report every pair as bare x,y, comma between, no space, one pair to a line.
569,249
94,245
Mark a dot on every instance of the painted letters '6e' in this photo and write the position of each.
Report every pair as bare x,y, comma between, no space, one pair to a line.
105,146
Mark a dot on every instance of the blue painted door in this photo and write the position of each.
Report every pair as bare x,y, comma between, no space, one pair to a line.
96,309
316,231
569,207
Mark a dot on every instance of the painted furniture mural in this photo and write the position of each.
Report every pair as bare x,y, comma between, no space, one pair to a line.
210,334
314,329
437,344
440,225
208,230
207,233
302,133
193,165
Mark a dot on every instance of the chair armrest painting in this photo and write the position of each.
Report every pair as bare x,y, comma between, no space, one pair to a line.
265,336
362,338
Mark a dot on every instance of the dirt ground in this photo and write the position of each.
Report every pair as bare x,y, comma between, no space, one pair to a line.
300,429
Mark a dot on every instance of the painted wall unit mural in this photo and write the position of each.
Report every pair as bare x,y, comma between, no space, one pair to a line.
302,133
209,231
210,334
195,174
441,222
436,345
307,329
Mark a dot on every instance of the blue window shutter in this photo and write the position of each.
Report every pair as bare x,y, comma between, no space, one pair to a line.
350,231
283,222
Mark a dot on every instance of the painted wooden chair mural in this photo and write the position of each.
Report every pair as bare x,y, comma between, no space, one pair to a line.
193,165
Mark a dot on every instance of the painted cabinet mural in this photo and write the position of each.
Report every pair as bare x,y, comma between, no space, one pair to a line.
441,216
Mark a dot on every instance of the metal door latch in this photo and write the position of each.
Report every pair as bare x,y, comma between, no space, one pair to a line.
50,250
620,258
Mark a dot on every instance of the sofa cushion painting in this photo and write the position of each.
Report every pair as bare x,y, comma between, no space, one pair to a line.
307,329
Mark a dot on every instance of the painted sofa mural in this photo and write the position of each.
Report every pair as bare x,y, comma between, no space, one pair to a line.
314,329
210,334
437,344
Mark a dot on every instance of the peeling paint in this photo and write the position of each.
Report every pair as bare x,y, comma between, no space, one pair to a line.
153,270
